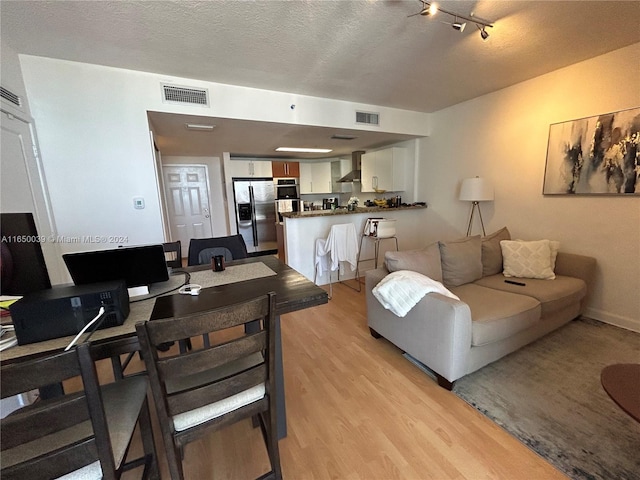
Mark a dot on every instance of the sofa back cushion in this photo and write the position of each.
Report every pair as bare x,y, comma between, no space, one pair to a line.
425,261
492,253
461,260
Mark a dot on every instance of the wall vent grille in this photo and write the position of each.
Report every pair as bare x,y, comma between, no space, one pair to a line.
10,96
182,95
368,118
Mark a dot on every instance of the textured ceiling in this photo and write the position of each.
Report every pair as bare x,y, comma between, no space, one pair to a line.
358,50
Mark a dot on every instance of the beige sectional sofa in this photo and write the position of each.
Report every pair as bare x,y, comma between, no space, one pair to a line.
492,318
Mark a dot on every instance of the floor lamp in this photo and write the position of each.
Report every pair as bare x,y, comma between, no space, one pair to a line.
476,190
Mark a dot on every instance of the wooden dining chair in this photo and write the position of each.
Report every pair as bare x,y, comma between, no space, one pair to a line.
201,250
203,390
85,434
173,254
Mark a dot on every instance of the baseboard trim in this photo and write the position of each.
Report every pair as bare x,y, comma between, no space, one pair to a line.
613,319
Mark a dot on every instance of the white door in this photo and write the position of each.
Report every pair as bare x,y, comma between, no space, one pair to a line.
23,187
186,192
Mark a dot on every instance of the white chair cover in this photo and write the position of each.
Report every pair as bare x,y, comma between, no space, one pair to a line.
340,246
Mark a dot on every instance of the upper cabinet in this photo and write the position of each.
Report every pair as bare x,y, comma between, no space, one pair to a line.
315,177
285,169
383,170
250,168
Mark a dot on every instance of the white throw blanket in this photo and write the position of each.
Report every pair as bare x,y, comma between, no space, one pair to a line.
340,246
400,291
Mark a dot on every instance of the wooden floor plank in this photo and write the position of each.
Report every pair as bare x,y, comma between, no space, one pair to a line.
356,409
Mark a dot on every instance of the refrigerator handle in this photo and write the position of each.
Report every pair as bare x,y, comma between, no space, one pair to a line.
254,226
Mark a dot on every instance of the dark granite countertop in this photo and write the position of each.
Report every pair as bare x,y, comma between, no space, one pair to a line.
344,211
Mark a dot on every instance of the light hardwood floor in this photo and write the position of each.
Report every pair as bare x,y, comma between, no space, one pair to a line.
356,409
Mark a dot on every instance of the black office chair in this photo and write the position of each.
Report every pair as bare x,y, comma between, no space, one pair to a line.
173,254
87,432
202,250
204,390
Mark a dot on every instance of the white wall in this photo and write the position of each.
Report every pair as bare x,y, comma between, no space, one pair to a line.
96,149
503,137
23,187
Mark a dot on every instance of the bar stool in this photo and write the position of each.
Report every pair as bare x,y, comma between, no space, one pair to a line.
340,246
376,229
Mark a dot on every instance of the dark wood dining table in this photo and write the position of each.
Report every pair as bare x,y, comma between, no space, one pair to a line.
293,292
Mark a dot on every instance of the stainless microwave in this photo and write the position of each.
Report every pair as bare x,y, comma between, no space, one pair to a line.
287,189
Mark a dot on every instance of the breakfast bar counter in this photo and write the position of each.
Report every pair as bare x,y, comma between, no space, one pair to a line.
344,211
301,229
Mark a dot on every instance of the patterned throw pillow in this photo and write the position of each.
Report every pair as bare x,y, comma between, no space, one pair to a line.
527,259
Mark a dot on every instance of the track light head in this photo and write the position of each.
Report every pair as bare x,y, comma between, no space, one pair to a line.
459,26
483,32
428,9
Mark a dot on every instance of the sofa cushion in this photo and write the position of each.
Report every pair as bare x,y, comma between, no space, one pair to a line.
496,314
527,259
554,294
492,253
425,261
461,260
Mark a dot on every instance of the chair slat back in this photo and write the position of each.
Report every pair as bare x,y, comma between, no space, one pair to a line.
200,360
50,416
234,243
172,329
50,437
196,378
25,376
55,465
207,393
173,254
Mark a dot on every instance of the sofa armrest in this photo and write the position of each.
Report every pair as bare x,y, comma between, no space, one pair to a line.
436,331
373,277
577,266
574,265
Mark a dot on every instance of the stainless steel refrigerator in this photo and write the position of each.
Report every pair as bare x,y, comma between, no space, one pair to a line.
256,213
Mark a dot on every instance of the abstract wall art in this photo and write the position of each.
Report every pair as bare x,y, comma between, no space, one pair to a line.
597,155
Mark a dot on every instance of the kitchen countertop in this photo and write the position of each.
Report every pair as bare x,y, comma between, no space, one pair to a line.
345,211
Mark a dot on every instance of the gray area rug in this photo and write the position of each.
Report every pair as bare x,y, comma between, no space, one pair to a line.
549,396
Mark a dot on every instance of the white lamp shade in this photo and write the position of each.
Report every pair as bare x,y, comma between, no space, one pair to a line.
476,190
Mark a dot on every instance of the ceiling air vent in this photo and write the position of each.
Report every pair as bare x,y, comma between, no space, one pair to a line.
10,96
368,118
185,95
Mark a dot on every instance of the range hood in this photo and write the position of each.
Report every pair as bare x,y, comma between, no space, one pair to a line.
354,174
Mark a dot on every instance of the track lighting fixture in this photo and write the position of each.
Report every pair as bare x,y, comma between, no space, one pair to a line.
429,9
458,26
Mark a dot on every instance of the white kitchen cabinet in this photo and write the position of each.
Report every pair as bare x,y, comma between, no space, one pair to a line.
250,168
315,177
383,170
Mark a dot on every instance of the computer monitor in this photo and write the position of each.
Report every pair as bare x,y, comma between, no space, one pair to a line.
22,266
137,266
